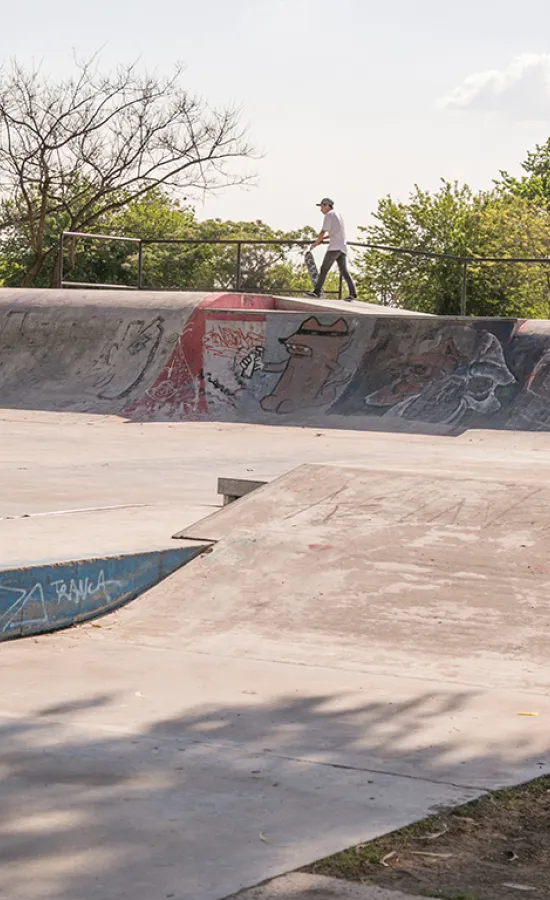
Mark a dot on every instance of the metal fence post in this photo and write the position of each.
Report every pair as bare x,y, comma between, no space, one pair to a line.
238,279
140,266
60,261
464,287
340,286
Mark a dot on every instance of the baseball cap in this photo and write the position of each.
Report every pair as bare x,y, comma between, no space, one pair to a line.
326,200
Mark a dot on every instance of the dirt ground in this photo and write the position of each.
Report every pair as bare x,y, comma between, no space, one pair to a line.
495,848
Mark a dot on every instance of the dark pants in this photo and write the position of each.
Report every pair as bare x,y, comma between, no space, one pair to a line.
341,258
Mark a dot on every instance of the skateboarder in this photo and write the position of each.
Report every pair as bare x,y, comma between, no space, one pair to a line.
337,251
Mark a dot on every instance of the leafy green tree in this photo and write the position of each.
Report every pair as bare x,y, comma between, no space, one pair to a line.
156,215
459,223
265,267
511,227
436,223
535,184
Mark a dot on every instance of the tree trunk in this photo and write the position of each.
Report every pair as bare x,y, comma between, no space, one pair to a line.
33,271
54,279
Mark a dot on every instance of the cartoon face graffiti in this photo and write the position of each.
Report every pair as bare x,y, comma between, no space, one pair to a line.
532,407
415,371
126,362
312,375
460,386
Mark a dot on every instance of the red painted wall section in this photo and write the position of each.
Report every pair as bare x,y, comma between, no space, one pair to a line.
215,340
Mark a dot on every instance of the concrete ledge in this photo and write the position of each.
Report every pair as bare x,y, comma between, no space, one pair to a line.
50,596
234,488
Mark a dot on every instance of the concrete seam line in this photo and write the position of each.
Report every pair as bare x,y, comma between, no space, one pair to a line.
68,512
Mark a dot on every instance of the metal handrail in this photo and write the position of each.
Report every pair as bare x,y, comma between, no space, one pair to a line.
98,284
465,261
111,237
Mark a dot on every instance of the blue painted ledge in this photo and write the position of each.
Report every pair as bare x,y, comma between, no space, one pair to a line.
45,597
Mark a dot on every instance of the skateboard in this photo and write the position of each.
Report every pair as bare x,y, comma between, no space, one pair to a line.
311,266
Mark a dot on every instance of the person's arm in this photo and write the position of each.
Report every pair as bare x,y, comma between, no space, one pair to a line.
320,239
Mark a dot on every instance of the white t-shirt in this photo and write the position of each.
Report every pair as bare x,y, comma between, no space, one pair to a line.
334,224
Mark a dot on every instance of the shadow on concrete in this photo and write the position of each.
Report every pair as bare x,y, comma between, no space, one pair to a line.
204,804
364,423
336,423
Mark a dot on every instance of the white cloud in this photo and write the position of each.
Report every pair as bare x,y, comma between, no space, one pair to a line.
521,91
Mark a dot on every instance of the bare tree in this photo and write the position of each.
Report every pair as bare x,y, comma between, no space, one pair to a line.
74,150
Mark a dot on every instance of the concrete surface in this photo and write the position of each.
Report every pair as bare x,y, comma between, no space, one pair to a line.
125,351
77,485
94,532
249,358
201,741
298,886
361,645
122,779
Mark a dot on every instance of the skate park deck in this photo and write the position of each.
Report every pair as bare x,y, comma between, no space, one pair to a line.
302,687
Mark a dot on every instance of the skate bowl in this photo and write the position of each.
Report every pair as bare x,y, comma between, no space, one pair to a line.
174,356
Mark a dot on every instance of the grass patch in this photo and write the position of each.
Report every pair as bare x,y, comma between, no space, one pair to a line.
493,848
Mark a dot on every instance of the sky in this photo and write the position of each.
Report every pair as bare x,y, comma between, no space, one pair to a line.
354,99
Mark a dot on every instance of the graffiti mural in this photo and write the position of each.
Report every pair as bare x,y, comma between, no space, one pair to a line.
459,386
37,332
311,374
253,364
214,358
410,376
46,597
124,363
444,373
12,333
529,354
231,355
533,406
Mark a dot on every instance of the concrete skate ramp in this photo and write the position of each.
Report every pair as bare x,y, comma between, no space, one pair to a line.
138,353
251,358
354,654
389,573
414,566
